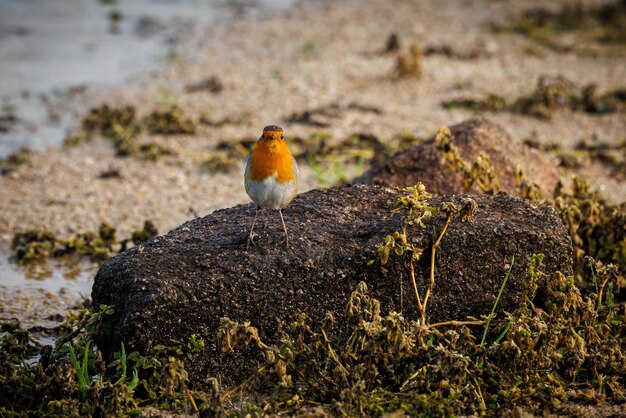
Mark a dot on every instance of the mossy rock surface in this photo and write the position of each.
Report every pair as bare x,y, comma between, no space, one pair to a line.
427,164
183,283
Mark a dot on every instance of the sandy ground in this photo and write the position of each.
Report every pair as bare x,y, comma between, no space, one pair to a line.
45,309
314,55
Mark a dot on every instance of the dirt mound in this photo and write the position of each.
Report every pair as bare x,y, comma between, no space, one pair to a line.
426,163
183,283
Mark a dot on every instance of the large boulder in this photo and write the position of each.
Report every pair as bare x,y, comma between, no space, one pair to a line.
183,283
427,164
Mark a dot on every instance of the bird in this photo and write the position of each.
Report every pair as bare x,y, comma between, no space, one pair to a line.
271,176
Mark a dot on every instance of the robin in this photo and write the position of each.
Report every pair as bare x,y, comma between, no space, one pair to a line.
271,176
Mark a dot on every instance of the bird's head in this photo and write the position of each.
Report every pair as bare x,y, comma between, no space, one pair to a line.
272,132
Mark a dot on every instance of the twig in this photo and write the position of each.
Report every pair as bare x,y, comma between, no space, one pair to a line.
333,356
595,281
420,307
193,402
480,394
432,266
456,323
242,385
413,376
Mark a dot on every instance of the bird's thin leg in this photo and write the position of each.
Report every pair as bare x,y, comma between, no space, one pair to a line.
280,211
251,236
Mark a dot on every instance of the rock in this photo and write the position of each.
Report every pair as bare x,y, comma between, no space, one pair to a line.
425,163
184,282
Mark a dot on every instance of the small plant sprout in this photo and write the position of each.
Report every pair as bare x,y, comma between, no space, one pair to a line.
122,361
414,203
465,213
196,344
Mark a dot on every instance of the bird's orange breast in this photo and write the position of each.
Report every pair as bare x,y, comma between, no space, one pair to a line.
272,158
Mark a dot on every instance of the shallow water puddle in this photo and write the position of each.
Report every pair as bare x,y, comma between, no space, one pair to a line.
39,295
69,276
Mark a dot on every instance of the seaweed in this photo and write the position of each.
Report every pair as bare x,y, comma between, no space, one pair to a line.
35,245
608,153
450,52
7,121
537,358
152,151
597,228
141,235
220,162
310,48
392,44
479,172
115,17
73,379
111,173
409,64
603,23
14,160
212,84
106,119
96,246
315,117
526,188
169,122
121,126
612,154
330,160
551,94
32,245
562,347
491,103
117,124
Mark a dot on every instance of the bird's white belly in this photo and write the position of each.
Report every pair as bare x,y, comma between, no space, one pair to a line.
271,194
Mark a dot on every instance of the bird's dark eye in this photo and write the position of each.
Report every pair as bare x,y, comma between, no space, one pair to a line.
282,137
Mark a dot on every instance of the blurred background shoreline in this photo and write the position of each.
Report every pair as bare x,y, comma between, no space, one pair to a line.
51,52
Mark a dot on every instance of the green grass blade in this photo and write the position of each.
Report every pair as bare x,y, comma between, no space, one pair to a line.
135,381
495,304
122,378
82,376
84,366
